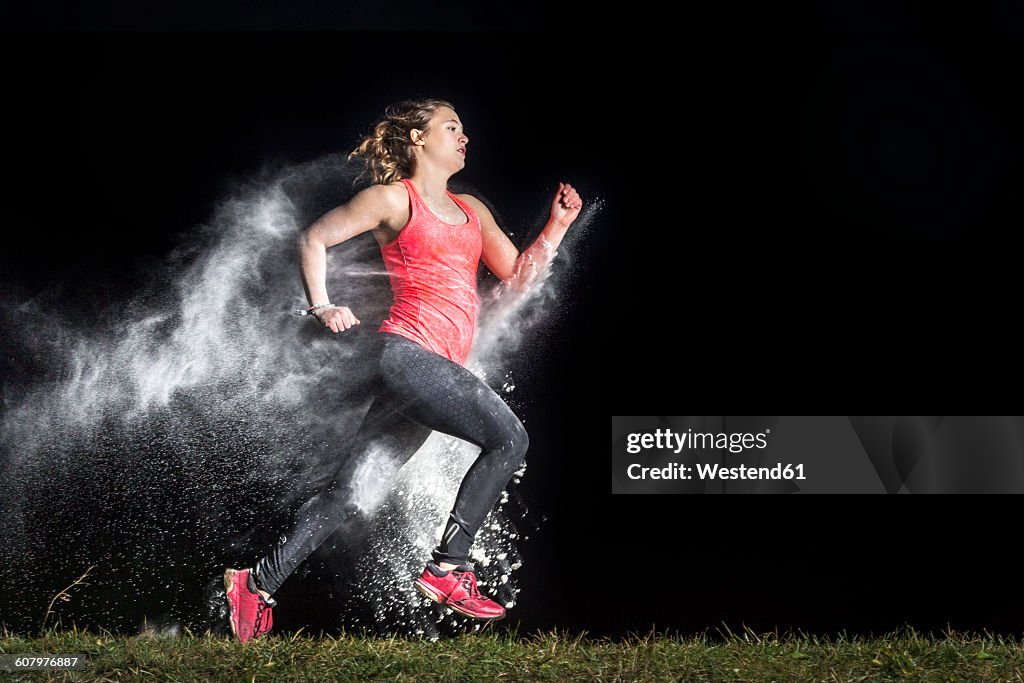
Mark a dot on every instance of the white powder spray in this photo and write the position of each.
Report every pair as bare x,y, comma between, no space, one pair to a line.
155,440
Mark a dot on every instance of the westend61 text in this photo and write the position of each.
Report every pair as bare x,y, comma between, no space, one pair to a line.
715,471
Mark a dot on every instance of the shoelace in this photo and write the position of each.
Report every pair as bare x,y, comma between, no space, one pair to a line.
260,608
468,581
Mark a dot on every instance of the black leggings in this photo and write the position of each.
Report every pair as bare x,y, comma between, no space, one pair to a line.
419,392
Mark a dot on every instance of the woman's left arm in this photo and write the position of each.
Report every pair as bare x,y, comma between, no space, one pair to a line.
521,270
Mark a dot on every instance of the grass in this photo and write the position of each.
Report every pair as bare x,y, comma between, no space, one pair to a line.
489,656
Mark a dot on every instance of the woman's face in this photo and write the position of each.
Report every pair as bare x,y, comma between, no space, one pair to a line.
445,142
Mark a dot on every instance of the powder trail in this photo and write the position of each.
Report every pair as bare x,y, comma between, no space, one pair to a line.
176,432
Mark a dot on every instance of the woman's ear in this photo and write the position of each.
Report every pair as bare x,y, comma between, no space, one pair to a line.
416,135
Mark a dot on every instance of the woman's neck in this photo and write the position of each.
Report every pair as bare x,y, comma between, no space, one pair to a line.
430,184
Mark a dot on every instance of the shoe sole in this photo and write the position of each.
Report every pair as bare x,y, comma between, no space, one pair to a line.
428,591
229,583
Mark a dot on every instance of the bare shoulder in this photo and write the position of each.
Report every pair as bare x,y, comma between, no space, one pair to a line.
387,204
477,205
388,197
390,203
470,199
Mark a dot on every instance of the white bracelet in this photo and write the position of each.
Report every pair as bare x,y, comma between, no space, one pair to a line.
313,309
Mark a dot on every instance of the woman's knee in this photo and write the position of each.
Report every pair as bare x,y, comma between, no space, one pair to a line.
508,443
524,438
518,442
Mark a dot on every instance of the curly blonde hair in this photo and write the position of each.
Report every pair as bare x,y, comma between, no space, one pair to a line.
388,149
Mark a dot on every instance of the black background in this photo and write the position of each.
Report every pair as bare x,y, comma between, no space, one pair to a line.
808,211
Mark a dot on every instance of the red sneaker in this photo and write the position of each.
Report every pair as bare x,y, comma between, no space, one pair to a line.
251,614
457,589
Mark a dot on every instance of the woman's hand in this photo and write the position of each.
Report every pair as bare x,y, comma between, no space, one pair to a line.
336,318
566,205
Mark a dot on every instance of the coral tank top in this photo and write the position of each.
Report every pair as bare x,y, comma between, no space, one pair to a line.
432,266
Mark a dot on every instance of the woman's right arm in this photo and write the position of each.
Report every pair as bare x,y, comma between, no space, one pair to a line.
364,212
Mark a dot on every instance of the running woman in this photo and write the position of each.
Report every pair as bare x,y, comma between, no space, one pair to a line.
432,241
